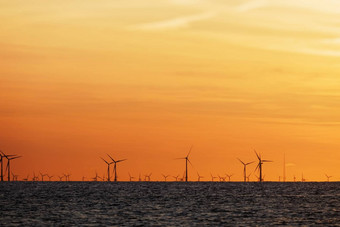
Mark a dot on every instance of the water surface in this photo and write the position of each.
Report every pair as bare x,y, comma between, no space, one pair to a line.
169,203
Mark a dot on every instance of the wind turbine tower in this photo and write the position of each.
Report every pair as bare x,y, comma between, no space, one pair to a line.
115,166
186,164
259,165
245,169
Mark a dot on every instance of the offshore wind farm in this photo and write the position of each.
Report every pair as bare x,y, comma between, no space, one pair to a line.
169,113
183,201
257,172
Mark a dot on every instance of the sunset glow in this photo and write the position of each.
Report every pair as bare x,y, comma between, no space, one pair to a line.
146,80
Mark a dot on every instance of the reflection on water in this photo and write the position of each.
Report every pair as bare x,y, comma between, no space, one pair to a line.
170,203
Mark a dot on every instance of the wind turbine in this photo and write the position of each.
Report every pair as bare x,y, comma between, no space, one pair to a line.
49,177
222,179
108,169
35,178
60,178
199,177
8,167
248,177
3,155
42,176
328,177
165,176
1,162
176,177
67,177
245,169
229,176
149,176
96,177
9,158
14,177
115,165
186,164
131,177
259,165
212,177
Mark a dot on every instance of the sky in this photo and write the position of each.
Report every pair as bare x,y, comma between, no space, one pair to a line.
146,80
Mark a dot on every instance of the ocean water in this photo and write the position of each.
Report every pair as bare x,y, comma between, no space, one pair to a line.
169,204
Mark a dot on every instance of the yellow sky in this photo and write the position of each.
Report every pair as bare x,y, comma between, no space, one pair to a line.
145,80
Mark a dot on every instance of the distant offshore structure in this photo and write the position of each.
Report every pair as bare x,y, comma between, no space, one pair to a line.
147,177
9,158
259,165
186,164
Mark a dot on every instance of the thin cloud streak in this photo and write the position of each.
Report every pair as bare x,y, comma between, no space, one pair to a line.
248,6
175,23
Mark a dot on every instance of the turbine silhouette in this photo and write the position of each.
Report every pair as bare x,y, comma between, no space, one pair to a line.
8,166
186,164
165,177
108,169
212,177
115,166
328,177
244,169
131,177
229,176
259,165
199,177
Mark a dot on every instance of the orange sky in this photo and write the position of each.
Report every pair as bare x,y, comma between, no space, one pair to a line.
145,80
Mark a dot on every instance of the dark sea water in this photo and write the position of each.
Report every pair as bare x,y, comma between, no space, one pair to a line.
169,204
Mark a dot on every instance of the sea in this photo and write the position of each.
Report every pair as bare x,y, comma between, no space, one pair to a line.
169,204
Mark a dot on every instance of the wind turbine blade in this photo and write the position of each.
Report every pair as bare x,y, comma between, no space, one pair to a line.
190,162
257,167
249,163
189,151
257,155
111,158
14,157
105,161
121,160
241,161
179,158
267,161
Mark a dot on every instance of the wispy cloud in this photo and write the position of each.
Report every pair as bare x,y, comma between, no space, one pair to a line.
175,23
331,41
248,6
187,2
321,52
